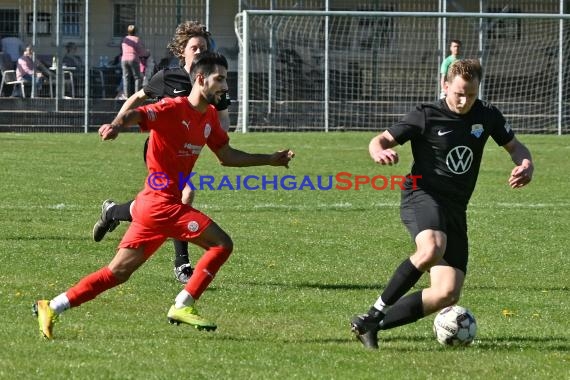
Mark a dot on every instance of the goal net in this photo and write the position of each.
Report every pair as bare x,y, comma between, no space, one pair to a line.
364,71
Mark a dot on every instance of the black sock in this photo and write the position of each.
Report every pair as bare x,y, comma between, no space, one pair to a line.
181,252
407,310
121,212
405,276
375,313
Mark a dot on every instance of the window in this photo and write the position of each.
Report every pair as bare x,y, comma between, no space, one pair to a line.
123,16
71,18
9,22
43,23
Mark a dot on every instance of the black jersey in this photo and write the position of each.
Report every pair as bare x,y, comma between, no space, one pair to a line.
173,82
447,147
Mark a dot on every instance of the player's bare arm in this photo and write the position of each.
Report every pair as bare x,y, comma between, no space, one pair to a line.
123,120
134,101
380,149
229,156
521,175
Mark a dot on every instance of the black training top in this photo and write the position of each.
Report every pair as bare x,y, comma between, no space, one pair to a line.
173,82
448,147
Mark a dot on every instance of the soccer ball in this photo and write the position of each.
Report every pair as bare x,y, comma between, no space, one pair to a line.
455,326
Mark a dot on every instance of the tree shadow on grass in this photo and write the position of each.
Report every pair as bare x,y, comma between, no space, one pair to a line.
376,286
58,238
409,343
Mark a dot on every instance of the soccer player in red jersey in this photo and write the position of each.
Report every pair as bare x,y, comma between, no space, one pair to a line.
179,129
190,39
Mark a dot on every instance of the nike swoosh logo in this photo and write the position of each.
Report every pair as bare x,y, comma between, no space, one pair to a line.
443,133
178,91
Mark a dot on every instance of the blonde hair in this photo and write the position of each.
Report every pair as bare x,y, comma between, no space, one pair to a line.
468,69
131,30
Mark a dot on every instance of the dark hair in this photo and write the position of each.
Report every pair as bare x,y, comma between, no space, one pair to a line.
458,42
468,69
206,63
184,32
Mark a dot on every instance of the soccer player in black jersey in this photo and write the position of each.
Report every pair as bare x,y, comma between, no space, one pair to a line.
190,38
447,140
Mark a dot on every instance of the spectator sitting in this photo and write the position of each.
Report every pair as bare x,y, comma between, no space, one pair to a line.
26,68
71,59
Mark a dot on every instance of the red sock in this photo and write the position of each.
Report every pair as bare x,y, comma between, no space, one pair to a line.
91,286
206,269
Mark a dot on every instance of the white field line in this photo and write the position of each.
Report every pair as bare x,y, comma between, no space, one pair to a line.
293,207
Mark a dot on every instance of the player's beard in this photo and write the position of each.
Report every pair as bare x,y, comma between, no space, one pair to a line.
211,99
210,96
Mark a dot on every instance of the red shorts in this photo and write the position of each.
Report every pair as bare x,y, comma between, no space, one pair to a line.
155,220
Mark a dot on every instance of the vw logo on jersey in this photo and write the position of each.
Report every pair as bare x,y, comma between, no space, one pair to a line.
477,130
459,159
207,130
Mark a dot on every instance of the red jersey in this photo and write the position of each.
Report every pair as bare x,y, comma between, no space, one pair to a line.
178,133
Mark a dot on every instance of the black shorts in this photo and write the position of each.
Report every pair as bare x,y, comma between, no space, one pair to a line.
421,211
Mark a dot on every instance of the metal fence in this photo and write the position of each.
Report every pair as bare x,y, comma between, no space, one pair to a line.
77,44
365,70
80,97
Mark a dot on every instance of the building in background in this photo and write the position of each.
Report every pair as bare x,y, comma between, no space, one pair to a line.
97,27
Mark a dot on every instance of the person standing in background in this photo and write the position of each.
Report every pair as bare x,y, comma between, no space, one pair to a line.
455,50
132,48
147,67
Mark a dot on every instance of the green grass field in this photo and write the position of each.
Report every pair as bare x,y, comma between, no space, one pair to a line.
304,263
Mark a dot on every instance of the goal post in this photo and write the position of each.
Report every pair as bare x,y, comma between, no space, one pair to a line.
332,70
